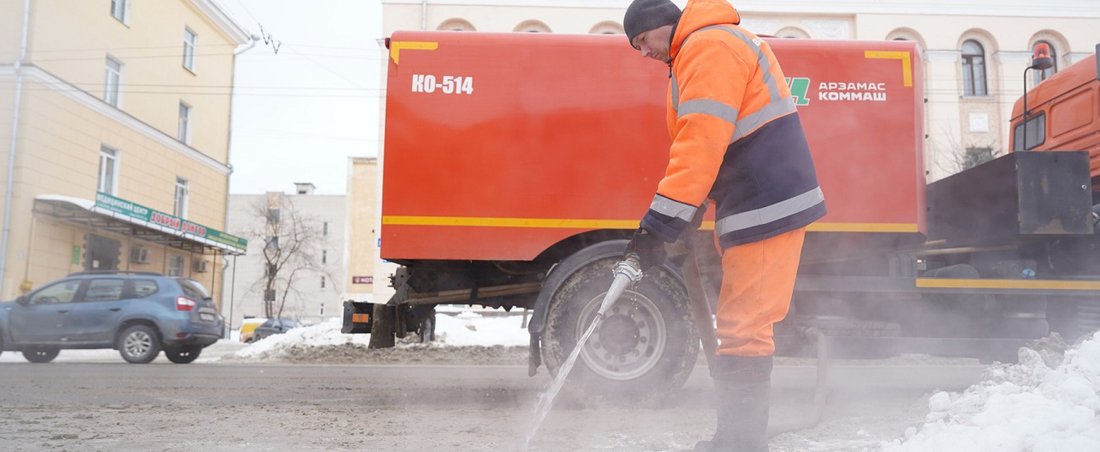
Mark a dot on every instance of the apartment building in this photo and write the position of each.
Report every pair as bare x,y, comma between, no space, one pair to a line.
114,138
295,259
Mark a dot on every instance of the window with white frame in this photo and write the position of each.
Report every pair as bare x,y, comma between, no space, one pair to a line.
180,207
185,124
324,256
120,9
112,81
189,38
973,66
108,171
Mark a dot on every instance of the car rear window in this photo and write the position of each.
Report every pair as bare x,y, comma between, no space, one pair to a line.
193,289
104,290
144,287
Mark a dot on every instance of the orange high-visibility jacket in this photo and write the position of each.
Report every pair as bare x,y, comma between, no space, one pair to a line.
736,136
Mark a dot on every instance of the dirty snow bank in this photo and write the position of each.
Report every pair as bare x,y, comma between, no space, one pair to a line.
1022,407
466,336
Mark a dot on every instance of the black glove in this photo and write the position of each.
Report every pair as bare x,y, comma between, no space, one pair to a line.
649,248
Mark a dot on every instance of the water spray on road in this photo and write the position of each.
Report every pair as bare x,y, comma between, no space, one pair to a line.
626,272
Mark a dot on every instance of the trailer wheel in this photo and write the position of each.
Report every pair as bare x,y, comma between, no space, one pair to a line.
645,348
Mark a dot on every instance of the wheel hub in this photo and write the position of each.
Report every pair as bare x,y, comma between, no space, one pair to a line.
618,334
628,342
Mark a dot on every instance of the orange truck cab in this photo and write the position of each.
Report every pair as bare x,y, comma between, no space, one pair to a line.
515,166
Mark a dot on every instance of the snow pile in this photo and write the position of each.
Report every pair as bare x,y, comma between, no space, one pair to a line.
1023,407
472,329
323,334
465,329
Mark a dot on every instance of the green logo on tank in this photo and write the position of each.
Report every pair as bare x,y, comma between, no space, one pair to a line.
800,88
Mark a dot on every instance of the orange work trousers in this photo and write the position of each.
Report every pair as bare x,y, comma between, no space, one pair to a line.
757,285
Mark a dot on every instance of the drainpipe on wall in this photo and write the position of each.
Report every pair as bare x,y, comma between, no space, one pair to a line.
10,181
228,153
423,15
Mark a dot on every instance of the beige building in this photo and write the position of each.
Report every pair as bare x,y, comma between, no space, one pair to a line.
363,222
308,251
114,138
975,52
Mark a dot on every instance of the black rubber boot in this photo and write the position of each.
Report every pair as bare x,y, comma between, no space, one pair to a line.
742,385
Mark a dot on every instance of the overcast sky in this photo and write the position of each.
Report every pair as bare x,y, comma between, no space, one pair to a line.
300,113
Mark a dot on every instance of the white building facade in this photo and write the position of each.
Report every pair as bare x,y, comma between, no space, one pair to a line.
974,52
316,289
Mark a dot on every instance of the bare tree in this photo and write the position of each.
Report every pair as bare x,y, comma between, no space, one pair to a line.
290,248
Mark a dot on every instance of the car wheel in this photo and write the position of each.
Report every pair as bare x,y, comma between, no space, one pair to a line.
41,355
138,344
183,355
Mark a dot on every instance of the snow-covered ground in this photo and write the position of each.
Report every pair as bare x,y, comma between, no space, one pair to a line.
1044,403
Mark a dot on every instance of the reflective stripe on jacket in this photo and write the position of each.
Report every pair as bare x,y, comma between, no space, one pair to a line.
736,136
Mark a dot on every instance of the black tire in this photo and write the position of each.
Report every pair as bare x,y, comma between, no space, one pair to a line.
41,355
183,355
138,344
646,346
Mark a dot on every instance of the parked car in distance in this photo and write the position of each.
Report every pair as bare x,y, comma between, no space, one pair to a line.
272,327
137,313
248,328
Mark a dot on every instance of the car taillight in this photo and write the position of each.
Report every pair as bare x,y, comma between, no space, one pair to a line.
185,304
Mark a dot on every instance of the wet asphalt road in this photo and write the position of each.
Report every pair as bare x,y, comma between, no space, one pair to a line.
217,405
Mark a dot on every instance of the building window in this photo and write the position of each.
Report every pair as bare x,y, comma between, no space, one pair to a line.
792,33
456,25
324,256
185,124
271,244
322,282
189,38
1040,75
607,28
175,265
973,64
112,81
532,26
120,9
108,171
180,207
324,229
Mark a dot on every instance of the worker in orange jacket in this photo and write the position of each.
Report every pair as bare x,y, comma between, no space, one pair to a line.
736,139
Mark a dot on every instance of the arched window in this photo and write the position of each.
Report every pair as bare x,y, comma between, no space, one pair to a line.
532,26
1040,75
792,33
973,66
456,25
607,28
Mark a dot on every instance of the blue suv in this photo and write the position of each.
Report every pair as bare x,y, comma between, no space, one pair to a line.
138,314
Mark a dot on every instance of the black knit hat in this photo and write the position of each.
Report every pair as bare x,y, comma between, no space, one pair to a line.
644,15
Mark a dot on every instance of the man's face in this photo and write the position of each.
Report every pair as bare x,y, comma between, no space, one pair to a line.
654,43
